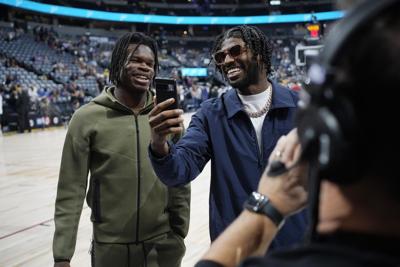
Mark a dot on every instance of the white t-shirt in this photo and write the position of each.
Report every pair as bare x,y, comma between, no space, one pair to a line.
254,103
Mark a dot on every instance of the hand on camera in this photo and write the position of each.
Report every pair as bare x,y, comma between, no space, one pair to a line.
287,191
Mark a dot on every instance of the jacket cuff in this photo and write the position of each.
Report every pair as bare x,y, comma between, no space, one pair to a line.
61,260
153,156
208,263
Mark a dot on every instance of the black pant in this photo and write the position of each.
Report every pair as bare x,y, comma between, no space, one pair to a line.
23,122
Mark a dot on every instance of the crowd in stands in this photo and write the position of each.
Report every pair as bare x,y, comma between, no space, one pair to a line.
61,73
192,57
283,62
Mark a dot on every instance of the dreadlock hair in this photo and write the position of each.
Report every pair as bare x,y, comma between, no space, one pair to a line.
120,54
254,38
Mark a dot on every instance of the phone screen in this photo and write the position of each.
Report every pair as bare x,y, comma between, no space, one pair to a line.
165,89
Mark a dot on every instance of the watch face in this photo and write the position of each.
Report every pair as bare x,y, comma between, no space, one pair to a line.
259,203
254,201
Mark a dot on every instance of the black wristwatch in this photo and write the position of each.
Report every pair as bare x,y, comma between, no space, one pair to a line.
261,204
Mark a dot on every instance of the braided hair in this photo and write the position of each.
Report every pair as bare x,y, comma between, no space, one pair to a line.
255,40
120,54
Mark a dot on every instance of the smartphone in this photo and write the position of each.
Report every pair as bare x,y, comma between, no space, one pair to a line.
165,89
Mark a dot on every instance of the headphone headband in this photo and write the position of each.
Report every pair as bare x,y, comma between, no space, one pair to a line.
327,122
329,115
351,23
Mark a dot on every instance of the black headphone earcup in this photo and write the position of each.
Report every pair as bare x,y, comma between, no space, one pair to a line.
320,131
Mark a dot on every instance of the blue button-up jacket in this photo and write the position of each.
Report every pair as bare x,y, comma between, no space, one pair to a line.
222,132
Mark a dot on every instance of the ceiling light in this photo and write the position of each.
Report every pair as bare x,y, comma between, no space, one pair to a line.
275,2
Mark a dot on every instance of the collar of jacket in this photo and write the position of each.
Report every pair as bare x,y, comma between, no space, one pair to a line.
281,98
107,98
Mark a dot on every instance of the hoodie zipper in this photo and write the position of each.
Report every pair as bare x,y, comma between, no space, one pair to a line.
138,176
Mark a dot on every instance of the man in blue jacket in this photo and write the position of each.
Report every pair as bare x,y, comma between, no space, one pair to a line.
237,131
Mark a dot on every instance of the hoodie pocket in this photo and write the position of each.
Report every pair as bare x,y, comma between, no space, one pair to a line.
96,201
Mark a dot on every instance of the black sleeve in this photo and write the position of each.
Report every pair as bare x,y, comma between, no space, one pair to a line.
256,262
208,263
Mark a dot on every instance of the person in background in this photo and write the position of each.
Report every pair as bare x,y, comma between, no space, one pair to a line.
22,106
1,109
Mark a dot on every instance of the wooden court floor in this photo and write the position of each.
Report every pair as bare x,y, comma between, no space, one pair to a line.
29,165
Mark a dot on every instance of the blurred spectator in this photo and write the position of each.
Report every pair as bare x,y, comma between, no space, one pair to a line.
22,104
1,110
195,92
204,92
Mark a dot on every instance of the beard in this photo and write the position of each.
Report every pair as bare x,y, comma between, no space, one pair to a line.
251,76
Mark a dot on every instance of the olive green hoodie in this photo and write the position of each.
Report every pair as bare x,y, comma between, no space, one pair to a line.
129,203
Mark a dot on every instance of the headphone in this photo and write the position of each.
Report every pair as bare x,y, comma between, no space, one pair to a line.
326,122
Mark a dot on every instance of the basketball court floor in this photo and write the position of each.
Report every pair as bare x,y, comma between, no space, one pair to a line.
29,165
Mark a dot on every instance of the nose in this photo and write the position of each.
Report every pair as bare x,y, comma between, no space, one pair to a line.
144,67
228,59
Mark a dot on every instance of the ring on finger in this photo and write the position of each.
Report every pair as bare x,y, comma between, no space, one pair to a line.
278,153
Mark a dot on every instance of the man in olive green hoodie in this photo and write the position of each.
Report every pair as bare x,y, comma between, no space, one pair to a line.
137,220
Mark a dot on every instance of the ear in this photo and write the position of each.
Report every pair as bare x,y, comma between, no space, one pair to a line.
121,72
260,62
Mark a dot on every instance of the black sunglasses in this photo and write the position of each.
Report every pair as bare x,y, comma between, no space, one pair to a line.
234,52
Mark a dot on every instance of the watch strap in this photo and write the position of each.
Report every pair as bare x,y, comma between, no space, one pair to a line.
271,212
261,204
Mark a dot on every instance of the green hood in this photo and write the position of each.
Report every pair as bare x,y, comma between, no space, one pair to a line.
107,99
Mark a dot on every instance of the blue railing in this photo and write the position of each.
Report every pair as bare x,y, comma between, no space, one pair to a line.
179,20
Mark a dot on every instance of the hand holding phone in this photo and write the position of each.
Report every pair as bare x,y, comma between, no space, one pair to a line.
166,117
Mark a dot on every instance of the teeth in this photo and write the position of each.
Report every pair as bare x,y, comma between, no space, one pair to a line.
142,77
233,70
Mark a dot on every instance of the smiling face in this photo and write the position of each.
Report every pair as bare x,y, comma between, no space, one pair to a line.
138,71
240,69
